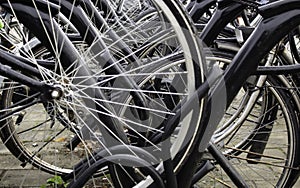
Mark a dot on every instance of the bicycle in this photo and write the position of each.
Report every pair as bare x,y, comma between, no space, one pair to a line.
244,61
56,86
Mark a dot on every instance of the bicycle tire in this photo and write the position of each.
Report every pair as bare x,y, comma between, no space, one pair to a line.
249,142
192,48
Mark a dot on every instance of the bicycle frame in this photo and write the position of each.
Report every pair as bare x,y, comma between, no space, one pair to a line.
199,8
278,19
275,15
65,60
227,10
22,69
25,69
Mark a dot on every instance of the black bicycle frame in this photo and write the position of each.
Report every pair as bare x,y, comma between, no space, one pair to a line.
225,12
20,69
18,73
279,18
199,8
276,16
26,12
247,59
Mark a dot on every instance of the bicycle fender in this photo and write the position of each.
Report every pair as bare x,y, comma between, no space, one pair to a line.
278,7
44,6
225,13
199,8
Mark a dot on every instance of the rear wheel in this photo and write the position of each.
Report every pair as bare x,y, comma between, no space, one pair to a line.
170,72
266,153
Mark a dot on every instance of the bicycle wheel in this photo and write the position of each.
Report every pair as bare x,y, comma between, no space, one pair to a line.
156,86
72,111
260,137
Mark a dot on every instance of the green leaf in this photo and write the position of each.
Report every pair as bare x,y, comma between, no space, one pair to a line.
55,180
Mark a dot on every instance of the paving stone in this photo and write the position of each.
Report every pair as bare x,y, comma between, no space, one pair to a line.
9,162
13,175
24,178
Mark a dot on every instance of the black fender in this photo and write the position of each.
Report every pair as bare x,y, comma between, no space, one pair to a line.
42,5
278,7
199,8
226,12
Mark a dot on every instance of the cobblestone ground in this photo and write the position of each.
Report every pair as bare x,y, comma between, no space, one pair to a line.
13,175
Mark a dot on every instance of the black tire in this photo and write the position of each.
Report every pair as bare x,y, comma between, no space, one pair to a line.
192,60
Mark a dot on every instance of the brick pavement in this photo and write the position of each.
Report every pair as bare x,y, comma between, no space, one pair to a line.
13,175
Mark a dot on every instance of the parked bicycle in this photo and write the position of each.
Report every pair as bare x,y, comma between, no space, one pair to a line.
120,88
